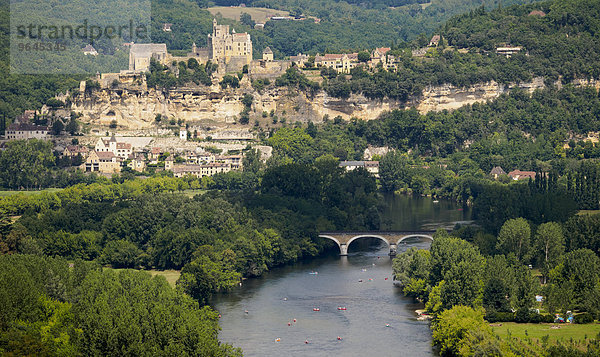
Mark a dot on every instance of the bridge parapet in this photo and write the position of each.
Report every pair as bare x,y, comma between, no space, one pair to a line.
391,238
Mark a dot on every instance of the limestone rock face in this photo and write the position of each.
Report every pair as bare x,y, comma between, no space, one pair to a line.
449,97
137,108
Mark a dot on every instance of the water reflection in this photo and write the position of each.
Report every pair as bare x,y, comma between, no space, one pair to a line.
403,213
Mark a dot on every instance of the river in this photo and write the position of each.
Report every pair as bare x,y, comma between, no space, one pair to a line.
378,321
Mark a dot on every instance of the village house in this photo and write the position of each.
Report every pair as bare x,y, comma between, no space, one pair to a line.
120,149
154,154
342,63
123,150
299,60
169,163
370,166
90,50
137,162
507,51
192,157
379,56
435,41
204,157
267,54
102,162
522,175
25,131
74,150
496,172
183,133
235,161
200,170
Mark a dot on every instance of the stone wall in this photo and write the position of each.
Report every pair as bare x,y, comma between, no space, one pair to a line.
268,69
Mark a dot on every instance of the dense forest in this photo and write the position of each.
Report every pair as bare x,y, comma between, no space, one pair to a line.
50,307
462,282
555,46
343,25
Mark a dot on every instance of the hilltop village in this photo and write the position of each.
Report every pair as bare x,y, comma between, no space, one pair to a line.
121,122
115,140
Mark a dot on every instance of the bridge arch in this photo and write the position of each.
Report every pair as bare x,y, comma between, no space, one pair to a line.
367,236
415,236
330,237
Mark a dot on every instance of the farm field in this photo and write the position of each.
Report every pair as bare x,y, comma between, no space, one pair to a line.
170,275
258,14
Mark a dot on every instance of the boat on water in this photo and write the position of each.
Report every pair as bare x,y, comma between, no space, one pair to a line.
316,309
314,273
342,308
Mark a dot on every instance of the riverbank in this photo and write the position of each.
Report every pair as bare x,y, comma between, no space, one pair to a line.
580,333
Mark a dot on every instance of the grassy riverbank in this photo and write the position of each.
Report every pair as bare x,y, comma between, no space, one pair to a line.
536,332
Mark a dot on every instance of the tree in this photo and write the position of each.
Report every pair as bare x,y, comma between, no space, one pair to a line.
523,295
55,103
229,81
393,169
549,246
460,265
498,284
455,326
247,100
411,270
364,56
72,127
251,161
291,142
121,254
133,313
514,237
57,127
246,19
203,276
26,164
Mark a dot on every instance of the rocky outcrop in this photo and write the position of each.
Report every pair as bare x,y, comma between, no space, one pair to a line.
137,108
449,97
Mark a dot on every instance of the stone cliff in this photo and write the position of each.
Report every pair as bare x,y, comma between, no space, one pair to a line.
137,108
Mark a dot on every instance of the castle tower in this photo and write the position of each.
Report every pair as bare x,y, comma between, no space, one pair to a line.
267,54
226,47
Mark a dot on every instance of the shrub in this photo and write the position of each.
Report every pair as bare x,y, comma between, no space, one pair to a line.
585,318
496,316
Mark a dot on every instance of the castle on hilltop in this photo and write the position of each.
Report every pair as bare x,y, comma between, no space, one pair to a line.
230,50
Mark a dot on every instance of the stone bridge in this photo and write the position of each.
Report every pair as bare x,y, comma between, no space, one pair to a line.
343,239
